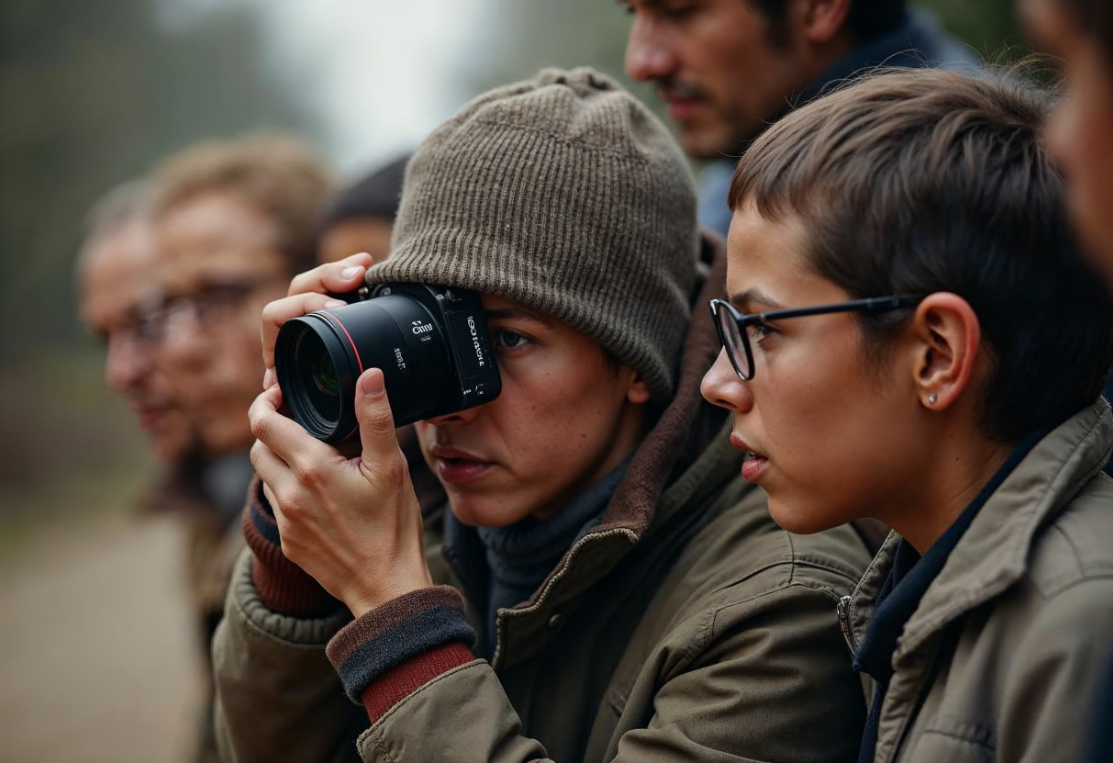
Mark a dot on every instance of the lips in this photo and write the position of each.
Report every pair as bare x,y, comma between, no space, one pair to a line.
459,466
149,415
754,463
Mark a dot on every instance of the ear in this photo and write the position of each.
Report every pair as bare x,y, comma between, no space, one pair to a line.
948,342
638,392
824,20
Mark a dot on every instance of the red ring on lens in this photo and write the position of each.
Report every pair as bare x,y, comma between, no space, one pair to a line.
340,323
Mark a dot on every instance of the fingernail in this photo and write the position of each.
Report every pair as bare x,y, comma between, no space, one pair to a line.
335,303
268,379
373,383
350,272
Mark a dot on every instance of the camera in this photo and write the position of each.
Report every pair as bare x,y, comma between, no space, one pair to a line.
431,343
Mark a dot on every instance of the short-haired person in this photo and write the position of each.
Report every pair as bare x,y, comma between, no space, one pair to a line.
960,404
360,218
729,68
117,273
619,592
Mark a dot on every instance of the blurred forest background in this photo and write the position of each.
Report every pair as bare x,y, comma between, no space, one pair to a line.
94,92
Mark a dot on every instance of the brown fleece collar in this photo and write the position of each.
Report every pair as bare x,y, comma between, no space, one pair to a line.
655,460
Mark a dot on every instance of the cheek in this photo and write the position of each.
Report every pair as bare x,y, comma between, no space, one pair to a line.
828,429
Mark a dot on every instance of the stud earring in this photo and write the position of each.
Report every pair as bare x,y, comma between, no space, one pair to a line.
933,398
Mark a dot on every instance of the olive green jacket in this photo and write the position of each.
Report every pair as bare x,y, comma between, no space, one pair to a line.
1003,658
686,626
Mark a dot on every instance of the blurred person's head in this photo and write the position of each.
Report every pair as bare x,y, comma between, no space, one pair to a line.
361,217
729,68
115,273
234,222
1081,134
571,211
933,185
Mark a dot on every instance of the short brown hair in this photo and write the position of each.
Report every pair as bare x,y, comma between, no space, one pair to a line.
279,176
919,181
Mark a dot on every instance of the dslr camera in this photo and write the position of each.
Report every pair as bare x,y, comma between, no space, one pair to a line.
431,343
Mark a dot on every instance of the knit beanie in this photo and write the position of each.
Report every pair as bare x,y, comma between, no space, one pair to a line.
565,194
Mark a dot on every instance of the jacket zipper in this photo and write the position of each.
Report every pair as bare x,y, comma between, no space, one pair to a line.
844,624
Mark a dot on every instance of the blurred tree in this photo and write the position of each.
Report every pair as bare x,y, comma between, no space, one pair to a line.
91,94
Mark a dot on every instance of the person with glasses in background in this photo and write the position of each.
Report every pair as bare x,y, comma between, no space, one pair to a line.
232,223
1080,137
913,336
116,273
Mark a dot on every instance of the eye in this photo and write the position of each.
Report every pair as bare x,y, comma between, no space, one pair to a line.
510,340
759,332
679,11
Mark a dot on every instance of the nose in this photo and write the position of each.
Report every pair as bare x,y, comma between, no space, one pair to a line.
459,418
126,366
721,386
648,58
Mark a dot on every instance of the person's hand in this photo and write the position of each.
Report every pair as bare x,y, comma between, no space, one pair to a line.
353,524
308,293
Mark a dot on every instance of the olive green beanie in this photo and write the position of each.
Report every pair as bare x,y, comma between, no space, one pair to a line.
565,194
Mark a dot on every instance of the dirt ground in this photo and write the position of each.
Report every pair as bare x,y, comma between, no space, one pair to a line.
97,661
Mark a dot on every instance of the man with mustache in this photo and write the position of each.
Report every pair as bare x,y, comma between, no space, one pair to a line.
730,68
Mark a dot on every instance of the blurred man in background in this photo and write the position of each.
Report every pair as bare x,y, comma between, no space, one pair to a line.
361,217
117,270
729,68
115,276
233,222
1080,32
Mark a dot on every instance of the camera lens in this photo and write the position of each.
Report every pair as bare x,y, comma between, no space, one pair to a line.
320,356
325,391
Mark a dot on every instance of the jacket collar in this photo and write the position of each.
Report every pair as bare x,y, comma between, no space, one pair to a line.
993,553
916,43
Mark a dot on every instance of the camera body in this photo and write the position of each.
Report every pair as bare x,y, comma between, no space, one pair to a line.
432,344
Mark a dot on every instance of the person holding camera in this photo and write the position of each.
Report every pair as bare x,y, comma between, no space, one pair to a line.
603,584
933,359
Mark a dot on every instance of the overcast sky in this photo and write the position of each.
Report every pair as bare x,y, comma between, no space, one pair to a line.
382,73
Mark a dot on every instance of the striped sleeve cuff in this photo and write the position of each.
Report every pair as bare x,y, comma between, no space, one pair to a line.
394,650
283,586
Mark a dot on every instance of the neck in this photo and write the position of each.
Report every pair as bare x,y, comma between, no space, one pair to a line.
960,468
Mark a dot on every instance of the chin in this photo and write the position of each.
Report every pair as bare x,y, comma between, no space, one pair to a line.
478,510
797,517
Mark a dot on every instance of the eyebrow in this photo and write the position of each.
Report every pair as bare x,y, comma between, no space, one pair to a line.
749,296
517,313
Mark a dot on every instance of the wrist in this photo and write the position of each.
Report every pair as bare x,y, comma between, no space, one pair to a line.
283,586
370,598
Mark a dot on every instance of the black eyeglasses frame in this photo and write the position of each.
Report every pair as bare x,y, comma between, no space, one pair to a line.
871,305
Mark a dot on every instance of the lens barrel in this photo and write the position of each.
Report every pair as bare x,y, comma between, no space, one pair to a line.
408,331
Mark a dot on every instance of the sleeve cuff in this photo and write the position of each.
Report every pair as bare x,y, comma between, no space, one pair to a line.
282,585
397,648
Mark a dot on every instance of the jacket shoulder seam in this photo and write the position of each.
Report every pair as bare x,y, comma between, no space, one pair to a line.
832,595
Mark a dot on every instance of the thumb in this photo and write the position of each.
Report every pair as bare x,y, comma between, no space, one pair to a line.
376,423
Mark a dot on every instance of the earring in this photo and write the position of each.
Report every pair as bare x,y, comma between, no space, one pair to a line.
933,398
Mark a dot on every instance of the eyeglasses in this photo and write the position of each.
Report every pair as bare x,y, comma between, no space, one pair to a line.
735,327
205,309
